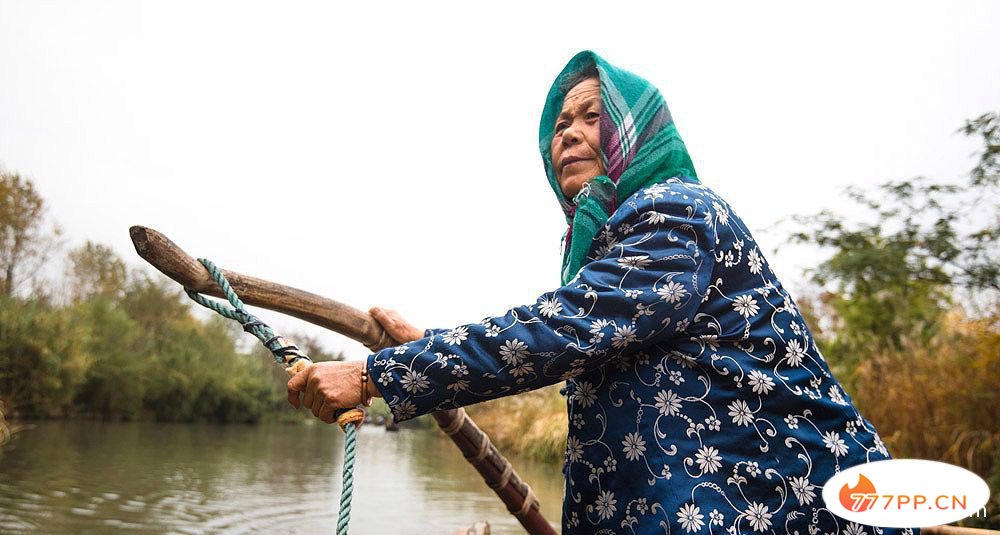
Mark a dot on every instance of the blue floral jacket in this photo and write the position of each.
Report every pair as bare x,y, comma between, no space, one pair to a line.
697,400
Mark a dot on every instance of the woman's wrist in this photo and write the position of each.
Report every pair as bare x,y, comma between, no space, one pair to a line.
370,389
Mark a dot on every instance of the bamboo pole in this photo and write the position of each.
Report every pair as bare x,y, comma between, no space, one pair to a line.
496,470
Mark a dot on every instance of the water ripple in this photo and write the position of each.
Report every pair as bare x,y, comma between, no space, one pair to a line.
99,478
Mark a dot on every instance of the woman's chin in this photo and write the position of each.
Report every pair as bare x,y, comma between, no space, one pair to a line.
572,185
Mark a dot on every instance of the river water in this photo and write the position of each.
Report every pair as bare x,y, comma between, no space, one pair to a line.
83,477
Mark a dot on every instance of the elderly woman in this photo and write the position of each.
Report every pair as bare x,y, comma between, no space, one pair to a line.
697,400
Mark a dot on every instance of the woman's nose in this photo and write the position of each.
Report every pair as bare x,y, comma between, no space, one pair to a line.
571,135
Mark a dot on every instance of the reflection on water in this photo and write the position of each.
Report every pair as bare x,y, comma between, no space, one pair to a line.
151,478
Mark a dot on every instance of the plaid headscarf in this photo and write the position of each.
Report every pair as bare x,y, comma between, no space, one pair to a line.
639,146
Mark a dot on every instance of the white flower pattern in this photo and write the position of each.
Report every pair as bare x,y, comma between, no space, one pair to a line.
634,446
746,305
671,292
690,518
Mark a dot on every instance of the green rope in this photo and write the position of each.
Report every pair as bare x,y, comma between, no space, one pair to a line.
280,349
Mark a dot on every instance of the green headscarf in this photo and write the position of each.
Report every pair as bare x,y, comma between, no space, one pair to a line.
639,146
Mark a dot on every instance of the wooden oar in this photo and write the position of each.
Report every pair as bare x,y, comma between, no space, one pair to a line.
495,469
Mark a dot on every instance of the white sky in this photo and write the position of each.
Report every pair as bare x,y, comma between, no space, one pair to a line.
387,154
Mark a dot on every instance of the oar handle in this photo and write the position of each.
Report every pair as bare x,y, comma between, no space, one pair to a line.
173,262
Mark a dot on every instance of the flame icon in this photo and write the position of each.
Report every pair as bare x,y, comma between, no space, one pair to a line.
860,497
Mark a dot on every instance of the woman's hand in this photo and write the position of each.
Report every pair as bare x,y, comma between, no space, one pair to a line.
329,387
399,329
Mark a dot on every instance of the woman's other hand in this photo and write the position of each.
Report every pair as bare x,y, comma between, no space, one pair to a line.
398,328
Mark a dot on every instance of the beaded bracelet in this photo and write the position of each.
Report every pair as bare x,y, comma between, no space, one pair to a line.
365,400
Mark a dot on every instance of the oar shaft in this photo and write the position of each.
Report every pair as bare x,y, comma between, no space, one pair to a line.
496,470
173,262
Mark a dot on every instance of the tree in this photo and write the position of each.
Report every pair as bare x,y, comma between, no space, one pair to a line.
24,241
895,277
95,271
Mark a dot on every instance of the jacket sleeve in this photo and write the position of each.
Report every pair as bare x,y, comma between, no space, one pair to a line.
432,332
652,273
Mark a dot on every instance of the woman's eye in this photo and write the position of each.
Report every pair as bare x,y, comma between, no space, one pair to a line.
560,127
593,115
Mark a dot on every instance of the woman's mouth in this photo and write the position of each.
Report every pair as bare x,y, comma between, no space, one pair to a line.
575,160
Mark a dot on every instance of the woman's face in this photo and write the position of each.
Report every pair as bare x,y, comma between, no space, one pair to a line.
576,155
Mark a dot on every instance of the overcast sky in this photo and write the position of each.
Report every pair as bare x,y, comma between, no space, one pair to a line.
387,154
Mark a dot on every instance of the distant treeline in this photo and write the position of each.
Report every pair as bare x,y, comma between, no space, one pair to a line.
140,354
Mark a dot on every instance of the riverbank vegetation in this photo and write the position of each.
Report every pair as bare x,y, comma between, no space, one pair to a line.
532,424
137,354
